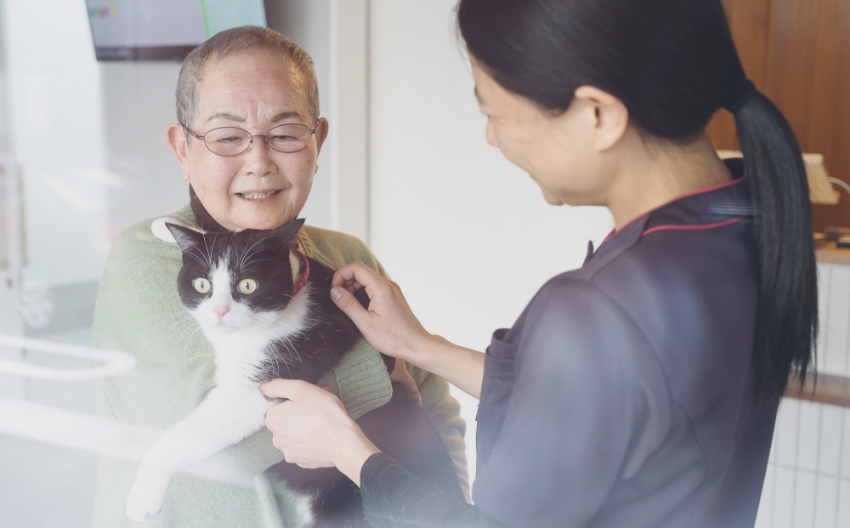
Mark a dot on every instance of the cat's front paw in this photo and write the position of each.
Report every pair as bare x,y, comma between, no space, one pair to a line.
145,500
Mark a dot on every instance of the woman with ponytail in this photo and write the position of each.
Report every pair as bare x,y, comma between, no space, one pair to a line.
640,390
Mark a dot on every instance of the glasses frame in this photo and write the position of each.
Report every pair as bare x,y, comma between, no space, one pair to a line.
251,138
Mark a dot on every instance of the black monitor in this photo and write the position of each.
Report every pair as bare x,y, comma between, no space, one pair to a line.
144,30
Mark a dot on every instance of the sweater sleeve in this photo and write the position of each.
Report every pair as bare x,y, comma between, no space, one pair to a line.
394,497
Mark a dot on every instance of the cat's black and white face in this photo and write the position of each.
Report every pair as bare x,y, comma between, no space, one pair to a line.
237,281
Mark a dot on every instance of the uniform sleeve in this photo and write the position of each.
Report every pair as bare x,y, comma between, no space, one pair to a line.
589,405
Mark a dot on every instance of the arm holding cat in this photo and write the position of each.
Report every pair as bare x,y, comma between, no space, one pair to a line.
139,311
324,435
442,408
391,327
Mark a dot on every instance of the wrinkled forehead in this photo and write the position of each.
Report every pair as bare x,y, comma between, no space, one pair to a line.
263,81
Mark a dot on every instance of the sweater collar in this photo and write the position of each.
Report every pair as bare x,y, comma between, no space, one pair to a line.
202,217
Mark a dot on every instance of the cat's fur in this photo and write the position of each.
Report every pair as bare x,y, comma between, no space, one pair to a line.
273,332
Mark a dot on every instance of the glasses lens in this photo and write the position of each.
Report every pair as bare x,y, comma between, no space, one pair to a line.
227,141
289,138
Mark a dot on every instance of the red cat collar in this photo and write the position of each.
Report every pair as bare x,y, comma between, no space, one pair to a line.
304,276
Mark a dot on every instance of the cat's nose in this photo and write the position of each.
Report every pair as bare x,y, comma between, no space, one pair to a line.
220,311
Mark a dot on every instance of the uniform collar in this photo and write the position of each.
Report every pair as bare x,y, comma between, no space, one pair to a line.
708,208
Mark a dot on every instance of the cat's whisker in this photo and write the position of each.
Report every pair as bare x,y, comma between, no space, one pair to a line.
245,254
199,258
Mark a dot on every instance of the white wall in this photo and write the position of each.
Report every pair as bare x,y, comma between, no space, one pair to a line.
466,234
142,176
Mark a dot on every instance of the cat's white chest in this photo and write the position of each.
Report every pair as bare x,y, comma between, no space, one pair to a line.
241,351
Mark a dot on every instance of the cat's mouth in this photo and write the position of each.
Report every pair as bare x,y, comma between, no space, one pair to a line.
256,196
222,327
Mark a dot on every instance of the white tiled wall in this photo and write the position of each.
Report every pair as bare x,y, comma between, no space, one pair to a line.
808,476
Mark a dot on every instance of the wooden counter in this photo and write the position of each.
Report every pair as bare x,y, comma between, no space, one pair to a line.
827,252
821,388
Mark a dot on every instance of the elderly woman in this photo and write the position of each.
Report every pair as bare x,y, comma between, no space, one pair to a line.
251,80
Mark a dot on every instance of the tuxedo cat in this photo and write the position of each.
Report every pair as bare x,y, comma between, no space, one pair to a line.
265,308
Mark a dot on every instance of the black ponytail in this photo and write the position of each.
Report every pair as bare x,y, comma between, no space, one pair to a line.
673,64
787,316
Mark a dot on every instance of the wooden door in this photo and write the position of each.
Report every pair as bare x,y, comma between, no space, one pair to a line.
797,52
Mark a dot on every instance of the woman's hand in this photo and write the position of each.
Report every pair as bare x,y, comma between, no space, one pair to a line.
388,324
313,430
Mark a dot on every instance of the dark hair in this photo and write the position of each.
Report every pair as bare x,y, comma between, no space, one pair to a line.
673,63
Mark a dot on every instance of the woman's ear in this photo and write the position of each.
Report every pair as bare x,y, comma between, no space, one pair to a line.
176,137
321,134
610,116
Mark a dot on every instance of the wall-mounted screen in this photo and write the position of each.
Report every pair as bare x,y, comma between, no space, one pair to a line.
125,30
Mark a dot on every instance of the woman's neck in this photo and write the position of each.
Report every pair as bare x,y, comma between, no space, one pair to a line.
651,175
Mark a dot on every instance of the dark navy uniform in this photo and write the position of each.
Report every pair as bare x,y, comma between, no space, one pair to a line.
623,395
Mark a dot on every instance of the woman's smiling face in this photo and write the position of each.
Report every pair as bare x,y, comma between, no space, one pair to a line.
259,188
556,150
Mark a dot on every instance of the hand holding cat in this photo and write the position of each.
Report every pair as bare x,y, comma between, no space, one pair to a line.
313,430
388,324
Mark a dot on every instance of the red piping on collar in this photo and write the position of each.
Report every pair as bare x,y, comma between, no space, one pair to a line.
693,227
304,276
676,199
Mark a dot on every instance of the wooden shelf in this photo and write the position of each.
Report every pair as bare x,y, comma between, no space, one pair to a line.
821,388
828,253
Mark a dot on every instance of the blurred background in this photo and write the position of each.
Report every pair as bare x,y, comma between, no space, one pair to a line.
86,93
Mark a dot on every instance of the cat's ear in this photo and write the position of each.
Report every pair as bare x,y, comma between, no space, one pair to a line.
160,231
288,230
185,237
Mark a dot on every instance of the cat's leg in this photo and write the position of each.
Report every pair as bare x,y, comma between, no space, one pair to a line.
227,415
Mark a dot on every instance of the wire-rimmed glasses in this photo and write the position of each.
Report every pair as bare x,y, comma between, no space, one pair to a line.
232,141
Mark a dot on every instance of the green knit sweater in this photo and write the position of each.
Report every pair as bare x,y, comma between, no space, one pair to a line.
138,311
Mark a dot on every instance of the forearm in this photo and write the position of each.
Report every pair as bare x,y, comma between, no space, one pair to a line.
354,450
462,367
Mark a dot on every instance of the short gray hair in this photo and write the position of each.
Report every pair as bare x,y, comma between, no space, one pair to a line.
237,41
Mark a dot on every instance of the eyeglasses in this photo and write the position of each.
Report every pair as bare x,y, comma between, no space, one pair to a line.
232,141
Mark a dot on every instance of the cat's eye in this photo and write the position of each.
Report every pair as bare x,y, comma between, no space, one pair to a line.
247,286
201,285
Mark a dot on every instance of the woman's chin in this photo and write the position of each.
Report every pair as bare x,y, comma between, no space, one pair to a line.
552,199
264,222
